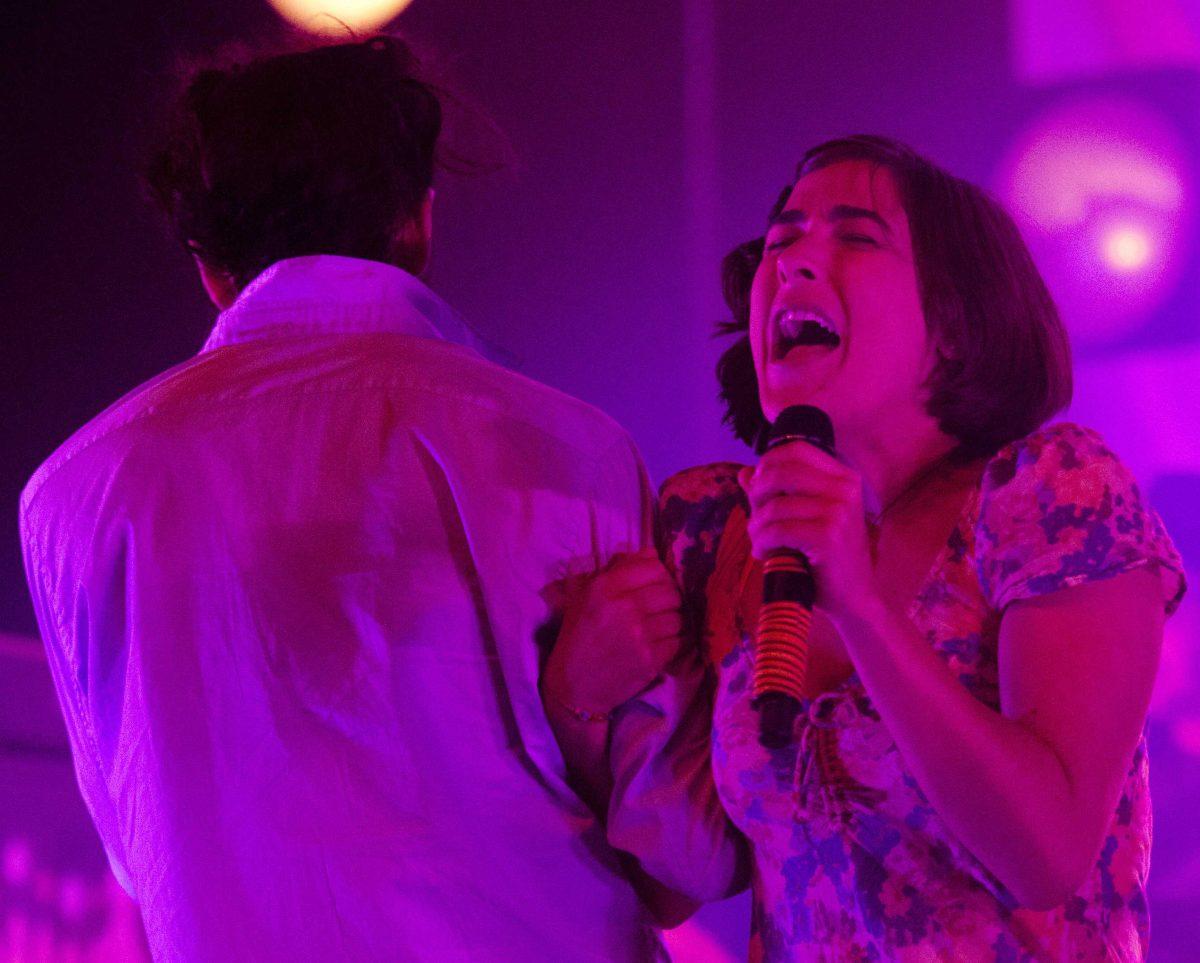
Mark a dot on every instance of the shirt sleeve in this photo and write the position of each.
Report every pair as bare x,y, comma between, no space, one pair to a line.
1058,509
64,672
623,503
664,808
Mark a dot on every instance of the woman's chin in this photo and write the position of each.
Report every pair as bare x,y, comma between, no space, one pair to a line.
780,400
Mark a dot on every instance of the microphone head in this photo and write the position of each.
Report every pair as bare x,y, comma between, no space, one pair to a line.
798,423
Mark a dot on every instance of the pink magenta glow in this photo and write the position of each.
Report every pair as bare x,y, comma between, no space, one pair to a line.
695,944
50,917
18,861
1103,195
1063,39
1178,676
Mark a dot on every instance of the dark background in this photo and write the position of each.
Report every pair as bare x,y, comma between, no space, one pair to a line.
583,259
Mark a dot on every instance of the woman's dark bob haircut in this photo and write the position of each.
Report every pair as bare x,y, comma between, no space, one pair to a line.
326,150
1004,363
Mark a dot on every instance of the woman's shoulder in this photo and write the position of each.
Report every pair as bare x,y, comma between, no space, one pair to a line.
1046,454
718,480
1058,508
700,497
1061,471
694,506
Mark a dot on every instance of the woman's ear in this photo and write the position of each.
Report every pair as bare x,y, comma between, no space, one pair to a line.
944,350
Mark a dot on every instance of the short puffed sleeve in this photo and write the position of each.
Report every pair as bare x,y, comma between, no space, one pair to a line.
694,506
1059,509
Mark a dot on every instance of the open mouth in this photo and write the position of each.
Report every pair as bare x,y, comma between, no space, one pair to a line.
801,327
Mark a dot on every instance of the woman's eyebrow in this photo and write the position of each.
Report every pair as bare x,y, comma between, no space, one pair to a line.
847,212
839,212
790,216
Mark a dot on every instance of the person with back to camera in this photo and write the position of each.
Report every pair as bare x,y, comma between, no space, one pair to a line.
291,589
966,778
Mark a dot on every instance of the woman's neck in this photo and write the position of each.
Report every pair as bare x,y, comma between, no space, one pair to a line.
894,464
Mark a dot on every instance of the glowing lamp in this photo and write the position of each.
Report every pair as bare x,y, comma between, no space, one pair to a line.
1127,248
331,17
1102,192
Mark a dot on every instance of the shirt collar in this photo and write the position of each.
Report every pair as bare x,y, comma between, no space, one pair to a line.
329,294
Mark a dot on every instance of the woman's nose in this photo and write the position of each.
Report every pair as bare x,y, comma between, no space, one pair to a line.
796,263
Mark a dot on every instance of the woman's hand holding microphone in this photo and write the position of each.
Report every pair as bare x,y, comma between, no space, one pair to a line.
805,500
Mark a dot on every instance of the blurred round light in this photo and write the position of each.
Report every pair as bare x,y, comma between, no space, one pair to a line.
17,861
330,18
1127,248
1101,190
73,898
1187,735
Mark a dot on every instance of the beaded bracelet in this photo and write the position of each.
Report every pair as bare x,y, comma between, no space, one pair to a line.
583,715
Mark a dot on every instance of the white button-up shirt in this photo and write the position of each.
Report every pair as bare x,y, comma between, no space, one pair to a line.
292,593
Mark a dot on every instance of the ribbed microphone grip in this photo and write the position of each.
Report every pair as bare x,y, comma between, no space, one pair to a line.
781,663
781,645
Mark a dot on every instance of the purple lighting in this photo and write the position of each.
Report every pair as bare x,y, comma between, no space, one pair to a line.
1104,197
54,917
1059,39
17,861
639,143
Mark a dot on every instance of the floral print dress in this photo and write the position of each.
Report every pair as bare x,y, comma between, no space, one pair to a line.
852,863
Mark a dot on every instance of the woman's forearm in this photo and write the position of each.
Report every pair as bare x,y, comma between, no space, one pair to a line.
583,743
585,748
999,786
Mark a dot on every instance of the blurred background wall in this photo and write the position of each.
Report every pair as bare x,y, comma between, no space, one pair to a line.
648,138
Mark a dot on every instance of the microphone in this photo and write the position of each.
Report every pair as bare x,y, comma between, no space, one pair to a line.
781,646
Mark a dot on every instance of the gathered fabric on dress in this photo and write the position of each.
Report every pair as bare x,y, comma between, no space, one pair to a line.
852,863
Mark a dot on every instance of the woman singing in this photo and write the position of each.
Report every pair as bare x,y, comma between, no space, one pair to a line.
967,777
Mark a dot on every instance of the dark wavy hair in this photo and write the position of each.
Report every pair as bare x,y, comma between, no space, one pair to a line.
326,150
1005,362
